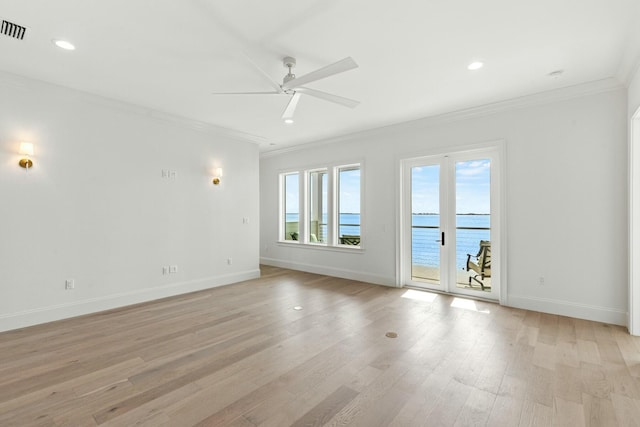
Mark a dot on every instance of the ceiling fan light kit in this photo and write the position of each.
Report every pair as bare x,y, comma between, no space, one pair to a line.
292,86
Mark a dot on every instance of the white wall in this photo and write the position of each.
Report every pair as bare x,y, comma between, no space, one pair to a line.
566,198
95,207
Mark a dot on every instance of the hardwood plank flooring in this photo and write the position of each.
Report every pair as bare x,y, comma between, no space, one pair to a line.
240,355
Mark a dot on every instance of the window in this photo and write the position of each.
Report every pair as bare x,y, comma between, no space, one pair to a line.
330,215
318,214
349,205
291,190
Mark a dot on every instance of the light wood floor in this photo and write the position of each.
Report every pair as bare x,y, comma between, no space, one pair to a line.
241,355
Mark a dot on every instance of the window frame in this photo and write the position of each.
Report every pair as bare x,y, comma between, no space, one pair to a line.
337,170
308,205
304,193
282,216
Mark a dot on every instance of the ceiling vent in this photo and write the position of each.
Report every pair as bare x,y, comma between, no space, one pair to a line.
13,30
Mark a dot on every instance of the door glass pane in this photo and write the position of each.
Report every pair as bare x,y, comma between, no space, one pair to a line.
425,224
291,207
349,206
473,225
318,206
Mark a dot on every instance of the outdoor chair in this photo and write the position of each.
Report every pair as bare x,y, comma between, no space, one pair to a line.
481,264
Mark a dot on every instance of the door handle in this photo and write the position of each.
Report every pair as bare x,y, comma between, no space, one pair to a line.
441,239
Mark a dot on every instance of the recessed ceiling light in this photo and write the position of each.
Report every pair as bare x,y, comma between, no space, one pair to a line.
63,44
475,66
288,121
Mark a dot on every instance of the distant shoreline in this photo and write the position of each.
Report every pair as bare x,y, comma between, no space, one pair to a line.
414,213
429,213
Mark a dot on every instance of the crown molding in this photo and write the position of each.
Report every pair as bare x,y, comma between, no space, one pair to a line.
540,98
632,72
630,61
605,85
25,83
628,69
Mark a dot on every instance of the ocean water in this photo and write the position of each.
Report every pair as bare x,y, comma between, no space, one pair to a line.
425,249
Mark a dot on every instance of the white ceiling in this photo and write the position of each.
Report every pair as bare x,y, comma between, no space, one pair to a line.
171,55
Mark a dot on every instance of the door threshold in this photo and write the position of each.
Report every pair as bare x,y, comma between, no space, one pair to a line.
452,294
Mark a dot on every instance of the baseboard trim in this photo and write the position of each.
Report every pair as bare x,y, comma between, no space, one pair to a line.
570,309
52,313
331,271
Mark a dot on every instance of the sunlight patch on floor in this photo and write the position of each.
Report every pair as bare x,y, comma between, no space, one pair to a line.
419,295
467,304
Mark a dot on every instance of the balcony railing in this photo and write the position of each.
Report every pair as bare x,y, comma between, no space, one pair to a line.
425,249
349,234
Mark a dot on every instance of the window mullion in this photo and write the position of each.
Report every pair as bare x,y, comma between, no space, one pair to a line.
331,206
303,203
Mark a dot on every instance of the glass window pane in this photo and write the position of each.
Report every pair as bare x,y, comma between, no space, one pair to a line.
473,224
291,192
349,219
318,197
425,224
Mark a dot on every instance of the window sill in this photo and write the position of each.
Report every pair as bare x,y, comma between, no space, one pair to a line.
321,247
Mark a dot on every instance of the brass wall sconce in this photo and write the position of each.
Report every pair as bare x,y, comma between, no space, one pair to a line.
217,176
26,148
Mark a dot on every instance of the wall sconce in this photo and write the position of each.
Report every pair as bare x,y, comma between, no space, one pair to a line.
26,148
217,176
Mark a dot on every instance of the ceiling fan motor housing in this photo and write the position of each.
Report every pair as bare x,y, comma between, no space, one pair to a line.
289,63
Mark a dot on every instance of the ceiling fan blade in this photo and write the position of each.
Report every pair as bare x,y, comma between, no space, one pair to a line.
246,93
267,77
337,67
351,103
291,106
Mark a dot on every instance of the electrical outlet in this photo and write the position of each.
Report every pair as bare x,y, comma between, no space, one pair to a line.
165,270
69,284
229,261
173,269
541,281
245,220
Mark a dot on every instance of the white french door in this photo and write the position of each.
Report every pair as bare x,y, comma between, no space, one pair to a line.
450,221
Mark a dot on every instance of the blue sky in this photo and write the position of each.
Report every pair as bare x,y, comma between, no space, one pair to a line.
349,198
472,188
292,189
350,191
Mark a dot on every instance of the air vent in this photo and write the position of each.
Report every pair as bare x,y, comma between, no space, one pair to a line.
13,30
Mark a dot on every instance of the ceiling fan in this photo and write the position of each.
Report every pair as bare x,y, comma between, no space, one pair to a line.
292,86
